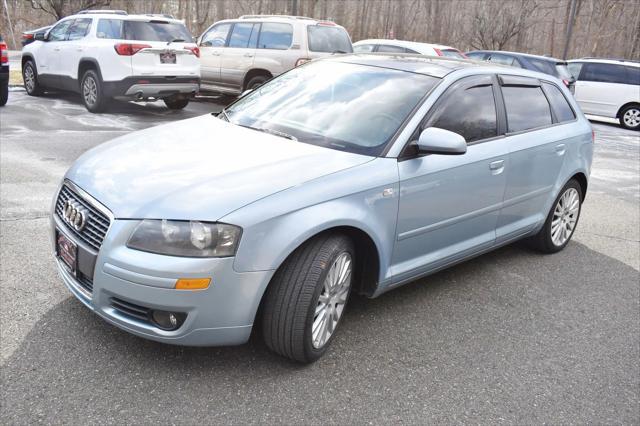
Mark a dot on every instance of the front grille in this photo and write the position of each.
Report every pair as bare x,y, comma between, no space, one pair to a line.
97,223
131,310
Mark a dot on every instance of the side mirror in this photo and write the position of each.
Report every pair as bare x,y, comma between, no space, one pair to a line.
433,140
40,36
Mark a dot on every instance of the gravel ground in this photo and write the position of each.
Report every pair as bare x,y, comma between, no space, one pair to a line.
511,337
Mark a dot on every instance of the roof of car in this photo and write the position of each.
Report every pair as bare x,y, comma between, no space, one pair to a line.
526,55
608,61
142,17
435,66
403,43
280,19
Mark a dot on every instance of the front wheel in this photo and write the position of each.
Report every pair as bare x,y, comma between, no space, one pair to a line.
92,92
630,117
562,220
176,103
307,297
30,79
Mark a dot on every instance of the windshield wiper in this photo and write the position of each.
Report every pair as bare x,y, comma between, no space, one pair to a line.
224,115
271,131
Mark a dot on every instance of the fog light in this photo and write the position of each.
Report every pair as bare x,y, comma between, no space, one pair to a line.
168,320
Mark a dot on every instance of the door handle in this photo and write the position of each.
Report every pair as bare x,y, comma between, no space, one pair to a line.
496,167
560,149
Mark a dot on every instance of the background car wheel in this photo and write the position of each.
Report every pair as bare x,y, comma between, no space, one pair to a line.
256,82
562,220
30,78
630,117
307,297
176,103
4,94
91,92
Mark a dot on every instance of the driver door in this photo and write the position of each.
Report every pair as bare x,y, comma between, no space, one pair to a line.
449,204
49,59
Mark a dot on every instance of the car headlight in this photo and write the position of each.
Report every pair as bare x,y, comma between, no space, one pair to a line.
185,238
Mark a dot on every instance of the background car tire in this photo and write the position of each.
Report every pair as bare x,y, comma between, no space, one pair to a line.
294,293
176,103
543,240
92,92
630,117
256,82
4,94
30,78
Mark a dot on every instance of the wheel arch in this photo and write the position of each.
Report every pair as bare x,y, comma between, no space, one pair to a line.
582,181
28,57
622,108
87,64
255,72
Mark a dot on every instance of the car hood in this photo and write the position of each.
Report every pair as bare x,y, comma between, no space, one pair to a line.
201,169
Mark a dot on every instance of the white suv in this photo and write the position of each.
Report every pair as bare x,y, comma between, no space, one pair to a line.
608,88
241,54
109,54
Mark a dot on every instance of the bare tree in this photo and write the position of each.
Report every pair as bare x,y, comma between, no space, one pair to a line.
496,23
61,8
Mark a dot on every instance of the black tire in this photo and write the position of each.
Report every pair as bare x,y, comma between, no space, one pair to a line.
294,293
543,240
632,122
176,103
4,94
94,101
256,82
30,79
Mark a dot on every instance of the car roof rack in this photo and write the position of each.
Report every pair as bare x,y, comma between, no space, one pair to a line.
612,59
275,16
159,15
102,11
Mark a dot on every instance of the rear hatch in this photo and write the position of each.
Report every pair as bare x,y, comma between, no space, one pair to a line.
159,47
326,38
563,73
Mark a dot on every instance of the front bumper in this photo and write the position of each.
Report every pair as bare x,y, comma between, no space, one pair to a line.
222,314
141,87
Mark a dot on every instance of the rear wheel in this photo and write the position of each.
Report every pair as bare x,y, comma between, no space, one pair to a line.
176,103
307,297
256,82
562,220
92,92
630,117
30,78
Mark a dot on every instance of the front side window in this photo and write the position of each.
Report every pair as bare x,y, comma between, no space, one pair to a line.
469,112
275,36
59,32
604,73
391,49
329,39
79,28
527,108
560,105
363,48
244,35
348,107
216,36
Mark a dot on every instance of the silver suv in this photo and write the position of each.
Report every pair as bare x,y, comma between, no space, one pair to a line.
241,54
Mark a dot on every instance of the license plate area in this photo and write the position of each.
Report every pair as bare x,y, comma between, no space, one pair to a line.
67,251
167,58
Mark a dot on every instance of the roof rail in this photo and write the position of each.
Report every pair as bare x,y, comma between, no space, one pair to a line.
102,11
275,16
159,15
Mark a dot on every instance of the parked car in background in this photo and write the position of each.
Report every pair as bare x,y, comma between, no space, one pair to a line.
401,46
108,54
241,54
356,173
608,88
4,72
30,36
544,64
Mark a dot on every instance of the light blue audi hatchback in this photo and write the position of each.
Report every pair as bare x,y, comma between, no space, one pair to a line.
357,173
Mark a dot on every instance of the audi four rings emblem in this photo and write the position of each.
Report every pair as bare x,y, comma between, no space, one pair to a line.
75,215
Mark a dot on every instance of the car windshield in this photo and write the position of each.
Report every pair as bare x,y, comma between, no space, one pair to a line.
349,107
328,39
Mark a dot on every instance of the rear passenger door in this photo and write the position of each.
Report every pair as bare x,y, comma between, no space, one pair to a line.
238,56
537,149
275,52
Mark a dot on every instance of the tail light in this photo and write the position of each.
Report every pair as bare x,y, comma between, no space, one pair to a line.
129,49
566,82
302,61
438,52
195,50
4,58
27,36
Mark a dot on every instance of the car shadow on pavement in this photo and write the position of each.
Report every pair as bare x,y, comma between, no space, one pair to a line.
513,325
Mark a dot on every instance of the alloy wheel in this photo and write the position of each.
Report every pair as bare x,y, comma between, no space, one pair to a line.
29,78
90,90
332,300
565,217
632,117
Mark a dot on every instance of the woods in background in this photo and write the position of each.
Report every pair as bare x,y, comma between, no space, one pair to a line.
604,28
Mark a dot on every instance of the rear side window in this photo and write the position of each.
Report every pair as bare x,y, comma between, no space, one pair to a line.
275,36
633,75
391,49
559,103
323,38
244,35
142,30
79,28
363,48
527,108
604,73
109,28
470,112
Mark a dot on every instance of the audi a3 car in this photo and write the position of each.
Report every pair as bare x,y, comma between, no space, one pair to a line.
108,54
402,46
356,173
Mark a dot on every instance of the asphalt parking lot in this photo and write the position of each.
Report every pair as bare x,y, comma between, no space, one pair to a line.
510,337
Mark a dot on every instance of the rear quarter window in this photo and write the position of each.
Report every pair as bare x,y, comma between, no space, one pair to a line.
275,36
559,103
385,48
330,39
527,108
